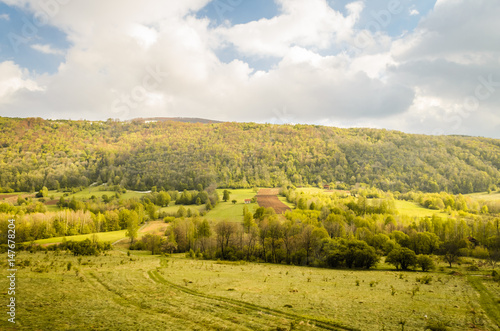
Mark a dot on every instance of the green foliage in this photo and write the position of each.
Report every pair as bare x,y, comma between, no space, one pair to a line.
402,258
425,262
225,195
132,226
43,193
451,250
85,247
134,155
350,253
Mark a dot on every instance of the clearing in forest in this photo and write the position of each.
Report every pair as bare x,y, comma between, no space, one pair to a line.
268,197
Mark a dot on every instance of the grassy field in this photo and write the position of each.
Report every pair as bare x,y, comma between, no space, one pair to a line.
413,209
485,196
98,192
154,227
229,211
111,236
172,208
144,292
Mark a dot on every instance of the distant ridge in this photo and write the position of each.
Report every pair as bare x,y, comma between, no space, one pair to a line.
177,119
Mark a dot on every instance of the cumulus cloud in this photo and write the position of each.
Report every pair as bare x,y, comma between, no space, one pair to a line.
14,80
156,58
452,58
311,24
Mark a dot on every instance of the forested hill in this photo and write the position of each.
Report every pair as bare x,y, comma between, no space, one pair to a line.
175,155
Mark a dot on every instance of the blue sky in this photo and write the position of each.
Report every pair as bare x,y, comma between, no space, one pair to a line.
16,47
414,66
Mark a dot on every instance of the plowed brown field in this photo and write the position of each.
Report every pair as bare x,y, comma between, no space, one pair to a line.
268,197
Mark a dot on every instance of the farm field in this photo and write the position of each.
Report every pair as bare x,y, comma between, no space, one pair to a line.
268,198
145,292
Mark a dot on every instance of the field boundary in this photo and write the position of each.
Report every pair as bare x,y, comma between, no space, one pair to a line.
319,322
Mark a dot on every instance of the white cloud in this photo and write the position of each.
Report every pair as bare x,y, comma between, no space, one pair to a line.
313,24
5,17
414,12
47,49
13,80
449,56
415,83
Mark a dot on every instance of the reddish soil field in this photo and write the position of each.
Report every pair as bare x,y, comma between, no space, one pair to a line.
268,197
7,196
51,202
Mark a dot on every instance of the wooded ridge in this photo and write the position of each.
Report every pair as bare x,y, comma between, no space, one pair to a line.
175,155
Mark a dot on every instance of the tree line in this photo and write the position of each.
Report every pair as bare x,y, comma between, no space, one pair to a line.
96,214
332,232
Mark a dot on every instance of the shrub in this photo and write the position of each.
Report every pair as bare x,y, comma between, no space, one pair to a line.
495,275
85,247
424,280
473,267
425,262
350,253
402,257
169,219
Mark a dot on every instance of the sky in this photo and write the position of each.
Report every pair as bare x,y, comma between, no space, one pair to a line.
417,66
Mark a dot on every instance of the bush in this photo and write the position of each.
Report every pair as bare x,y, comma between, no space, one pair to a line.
350,253
137,246
495,275
425,262
473,267
424,280
85,247
169,219
402,257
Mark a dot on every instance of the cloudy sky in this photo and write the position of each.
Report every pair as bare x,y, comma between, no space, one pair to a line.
419,66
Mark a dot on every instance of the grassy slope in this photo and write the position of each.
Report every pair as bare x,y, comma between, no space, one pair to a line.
111,236
488,300
494,196
413,209
156,227
143,292
229,211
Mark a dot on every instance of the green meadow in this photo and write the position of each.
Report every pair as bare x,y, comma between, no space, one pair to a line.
58,291
111,236
413,209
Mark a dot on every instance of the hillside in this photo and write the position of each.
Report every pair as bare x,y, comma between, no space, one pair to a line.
177,119
176,155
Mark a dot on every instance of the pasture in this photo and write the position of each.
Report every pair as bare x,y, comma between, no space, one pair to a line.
58,291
